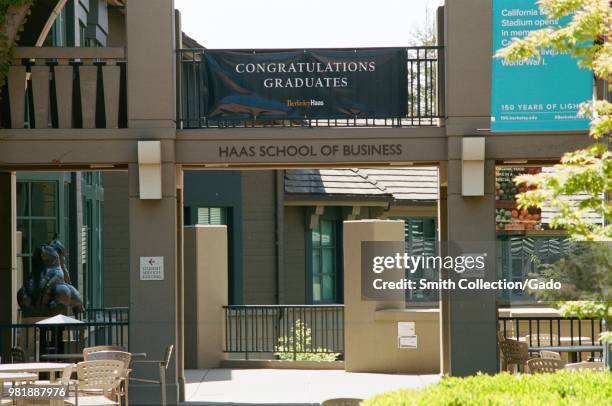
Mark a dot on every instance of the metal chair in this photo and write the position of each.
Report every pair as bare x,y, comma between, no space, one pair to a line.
163,365
550,355
544,365
17,355
514,353
101,376
124,356
342,402
579,366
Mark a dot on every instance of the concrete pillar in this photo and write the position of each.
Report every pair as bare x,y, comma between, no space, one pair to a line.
444,294
151,64
8,258
371,327
206,292
153,303
472,316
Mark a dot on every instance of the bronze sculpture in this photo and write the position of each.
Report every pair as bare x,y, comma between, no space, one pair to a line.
47,290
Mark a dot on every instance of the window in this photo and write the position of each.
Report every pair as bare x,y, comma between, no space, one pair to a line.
37,212
57,34
420,234
520,256
324,262
212,215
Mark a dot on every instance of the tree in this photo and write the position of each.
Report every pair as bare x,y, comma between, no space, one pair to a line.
587,171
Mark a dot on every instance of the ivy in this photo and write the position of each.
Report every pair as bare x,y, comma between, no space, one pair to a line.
6,43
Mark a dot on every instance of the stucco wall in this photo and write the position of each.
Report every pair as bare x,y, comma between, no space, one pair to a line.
258,237
295,256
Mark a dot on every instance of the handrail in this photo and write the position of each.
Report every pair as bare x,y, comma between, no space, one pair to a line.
68,53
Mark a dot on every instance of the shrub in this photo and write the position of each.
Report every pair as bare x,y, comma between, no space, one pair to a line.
299,340
561,388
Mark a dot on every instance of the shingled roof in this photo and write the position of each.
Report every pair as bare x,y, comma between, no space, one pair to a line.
397,184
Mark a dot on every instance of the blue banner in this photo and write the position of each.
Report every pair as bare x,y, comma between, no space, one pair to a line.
299,84
537,94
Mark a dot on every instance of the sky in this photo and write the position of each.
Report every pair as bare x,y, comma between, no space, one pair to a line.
303,24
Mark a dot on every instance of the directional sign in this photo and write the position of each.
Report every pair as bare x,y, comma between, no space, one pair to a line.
151,268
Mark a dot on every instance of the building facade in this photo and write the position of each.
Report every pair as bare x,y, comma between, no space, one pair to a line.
117,106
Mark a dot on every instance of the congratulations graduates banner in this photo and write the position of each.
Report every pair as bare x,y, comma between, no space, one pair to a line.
300,84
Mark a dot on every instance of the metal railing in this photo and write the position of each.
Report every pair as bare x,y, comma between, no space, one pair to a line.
287,329
552,331
108,326
425,100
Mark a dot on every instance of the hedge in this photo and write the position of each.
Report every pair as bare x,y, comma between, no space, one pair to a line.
561,388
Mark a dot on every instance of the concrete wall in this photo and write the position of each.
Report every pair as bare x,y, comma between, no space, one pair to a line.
209,188
205,295
295,255
116,246
370,327
258,237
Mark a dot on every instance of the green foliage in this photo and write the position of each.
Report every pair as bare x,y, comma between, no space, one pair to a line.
562,388
587,172
586,281
6,47
299,340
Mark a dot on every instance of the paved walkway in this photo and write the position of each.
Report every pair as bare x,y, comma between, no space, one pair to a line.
289,386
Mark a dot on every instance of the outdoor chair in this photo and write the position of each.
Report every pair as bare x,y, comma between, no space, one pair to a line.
514,353
544,365
126,357
17,355
342,402
89,350
162,365
578,366
550,355
102,378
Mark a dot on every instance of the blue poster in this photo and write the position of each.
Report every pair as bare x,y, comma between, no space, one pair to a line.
538,94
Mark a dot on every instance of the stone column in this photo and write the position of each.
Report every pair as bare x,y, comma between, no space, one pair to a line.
153,303
444,295
206,292
153,224
369,345
7,258
472,315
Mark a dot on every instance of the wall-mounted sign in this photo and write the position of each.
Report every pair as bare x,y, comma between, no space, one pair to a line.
151,268
406,328
300,84
538,94
407,342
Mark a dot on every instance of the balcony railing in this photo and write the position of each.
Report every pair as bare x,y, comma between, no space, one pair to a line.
107,326
425,90
289,329
553,331
65,88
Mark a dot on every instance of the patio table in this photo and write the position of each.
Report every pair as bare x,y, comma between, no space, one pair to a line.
14,378
573,350
35,367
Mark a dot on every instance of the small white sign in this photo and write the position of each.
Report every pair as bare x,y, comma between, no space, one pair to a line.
406,328
408,342
151,268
